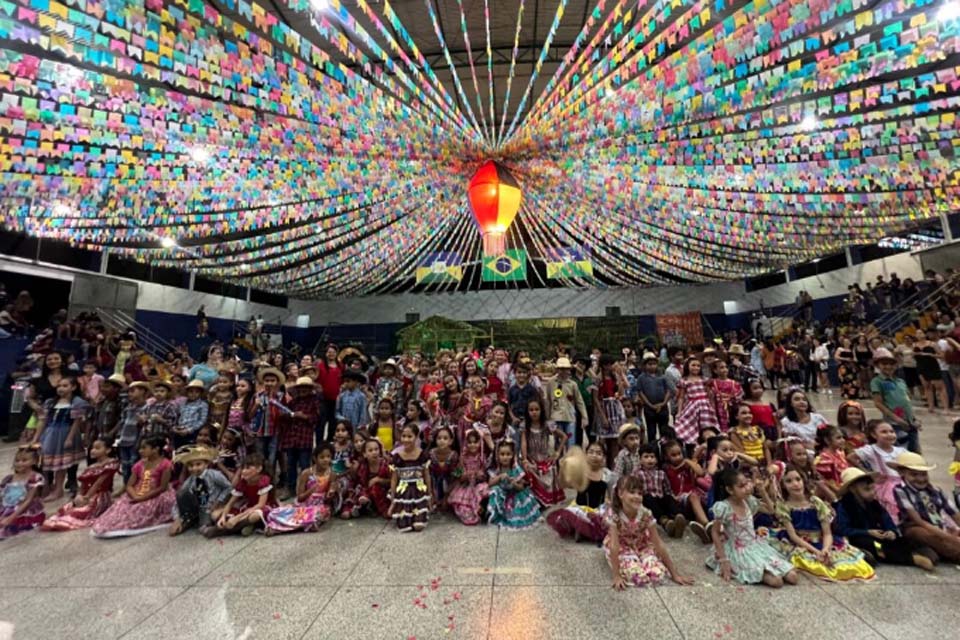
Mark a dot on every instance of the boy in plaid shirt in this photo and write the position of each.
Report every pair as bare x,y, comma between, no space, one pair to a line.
657,494
297,431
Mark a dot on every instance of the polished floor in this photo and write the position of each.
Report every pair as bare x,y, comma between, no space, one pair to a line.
364,580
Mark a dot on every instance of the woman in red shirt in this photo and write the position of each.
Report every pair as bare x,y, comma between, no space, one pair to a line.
329,377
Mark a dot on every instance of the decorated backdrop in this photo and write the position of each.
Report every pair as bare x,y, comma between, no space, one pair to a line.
313,148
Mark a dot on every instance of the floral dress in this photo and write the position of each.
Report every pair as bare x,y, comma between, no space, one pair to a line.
849,374
441,474
847,562
830,465
639,564
128,518
12,493
749,554
510,507
697,413
70,517
471,489
545,480
411,504
307,515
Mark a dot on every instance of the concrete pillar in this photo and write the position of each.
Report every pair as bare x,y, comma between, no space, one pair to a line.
104,260
947,231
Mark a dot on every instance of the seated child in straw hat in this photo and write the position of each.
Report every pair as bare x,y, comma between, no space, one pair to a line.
628,458
204,491
866,524
926,515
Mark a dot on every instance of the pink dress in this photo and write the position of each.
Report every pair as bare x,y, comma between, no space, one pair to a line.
466,496
697,413
128,518
12,493
307,515
726,394
70,517
639,564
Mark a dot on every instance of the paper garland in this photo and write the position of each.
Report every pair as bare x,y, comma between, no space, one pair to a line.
678,140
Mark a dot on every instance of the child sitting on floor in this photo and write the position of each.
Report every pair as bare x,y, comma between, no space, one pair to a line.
511,504
633,548
471,488
541,445
657,494
252,498
21,508
316,490
683,473
373,479
747,437
863,521
410,492
583,518
926,515
148,500
95,495
204,490
831,461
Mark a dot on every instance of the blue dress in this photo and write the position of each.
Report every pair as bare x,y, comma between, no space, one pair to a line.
61,452
749,554
512,508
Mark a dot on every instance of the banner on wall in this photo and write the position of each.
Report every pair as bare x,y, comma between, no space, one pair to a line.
680,329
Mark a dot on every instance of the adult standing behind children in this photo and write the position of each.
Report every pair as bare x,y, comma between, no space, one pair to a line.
330,378
564,401
892,397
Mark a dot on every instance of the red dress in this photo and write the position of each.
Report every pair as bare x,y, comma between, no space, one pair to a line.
249,494
726,394
70,517
764,417
377,494
831,464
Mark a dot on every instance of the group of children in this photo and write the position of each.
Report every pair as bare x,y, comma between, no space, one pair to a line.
774,496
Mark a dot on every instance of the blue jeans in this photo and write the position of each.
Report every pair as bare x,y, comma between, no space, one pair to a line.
570,428
267,447
297,461
909,438
128,458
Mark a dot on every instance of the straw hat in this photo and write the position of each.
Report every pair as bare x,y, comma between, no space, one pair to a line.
736,350
709,351
139,384
914,462
304,381
271,371
851,475
627,429
883,354
194,452
118,380
163,383
573,469
563,363
196,384
649,355
389,363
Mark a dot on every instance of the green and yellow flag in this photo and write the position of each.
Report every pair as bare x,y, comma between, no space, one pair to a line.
510,266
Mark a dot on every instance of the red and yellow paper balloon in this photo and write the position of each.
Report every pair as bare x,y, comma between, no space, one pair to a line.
495,199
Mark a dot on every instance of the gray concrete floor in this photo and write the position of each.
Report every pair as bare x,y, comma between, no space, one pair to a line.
364,580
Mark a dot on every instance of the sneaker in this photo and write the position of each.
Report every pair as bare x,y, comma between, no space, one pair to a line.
701,532
247,531
679,526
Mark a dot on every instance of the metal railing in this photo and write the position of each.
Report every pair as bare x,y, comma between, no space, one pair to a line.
147,339
920,302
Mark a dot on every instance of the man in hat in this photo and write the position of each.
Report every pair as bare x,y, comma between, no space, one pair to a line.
297,432
653,393
352,401
739,369
193,415
925,512
205,490
892,397
564,401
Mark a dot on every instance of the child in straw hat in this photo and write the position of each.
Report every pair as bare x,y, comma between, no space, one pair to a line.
204,491
926,514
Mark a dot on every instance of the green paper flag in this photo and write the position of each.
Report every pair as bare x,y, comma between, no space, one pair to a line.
508,267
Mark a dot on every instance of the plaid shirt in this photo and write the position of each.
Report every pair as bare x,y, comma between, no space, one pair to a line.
297,433
655,482
168,411
929,503
193,415
130,424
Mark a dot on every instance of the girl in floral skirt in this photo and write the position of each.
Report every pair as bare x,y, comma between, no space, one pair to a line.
20,505
316,490
633,548
511,504
410,484
95,495
345,468
471,489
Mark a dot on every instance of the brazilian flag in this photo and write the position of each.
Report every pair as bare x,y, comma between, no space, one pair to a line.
510,266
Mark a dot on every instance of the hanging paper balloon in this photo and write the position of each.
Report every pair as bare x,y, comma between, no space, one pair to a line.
494,198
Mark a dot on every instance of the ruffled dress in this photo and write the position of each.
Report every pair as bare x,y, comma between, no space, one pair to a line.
512,508
128,518
545,480
847,561
749,554
60,450
467,495
639,564
411,503
585,515
12,493
344,501
307,515
70,517
697,413
441,474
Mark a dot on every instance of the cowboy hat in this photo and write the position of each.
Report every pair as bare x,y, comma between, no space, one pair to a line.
194,452
626,429
914,462
736,350
140,384
389,363
271,371
649,355
304,381
563,363
196,384
118,380
573,469
163,383
709,351
851,475
881,355
355,376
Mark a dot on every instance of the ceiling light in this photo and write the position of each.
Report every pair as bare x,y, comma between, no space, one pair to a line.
62,210
319,5
200,154
949,11
168,242
809,122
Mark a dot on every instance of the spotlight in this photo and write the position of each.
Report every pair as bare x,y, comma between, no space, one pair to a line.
809,122
168,242
319,5
62,210
949,11
200,154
